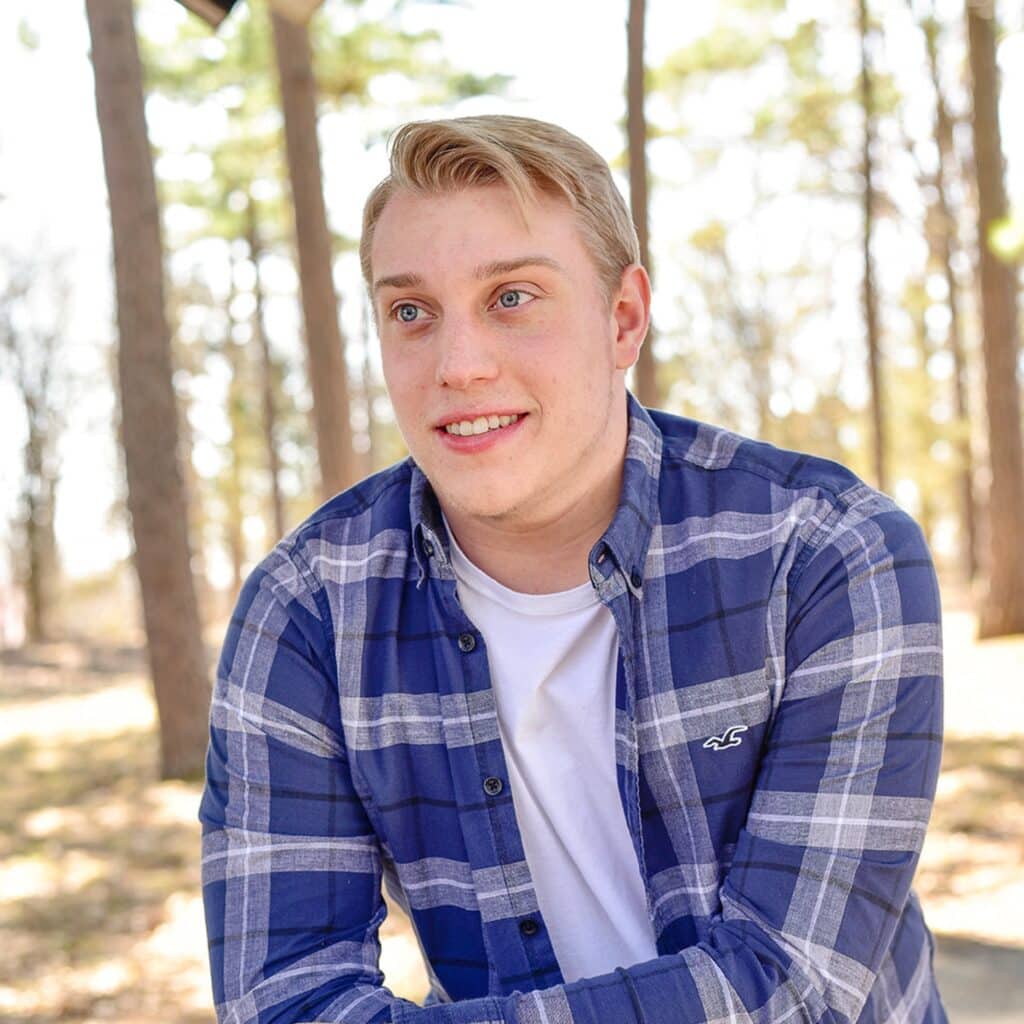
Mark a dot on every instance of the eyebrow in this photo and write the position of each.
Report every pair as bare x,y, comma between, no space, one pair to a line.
482,273
397,281
497,267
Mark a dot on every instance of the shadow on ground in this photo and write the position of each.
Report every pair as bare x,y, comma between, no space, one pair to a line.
103,859
971,874
980,983
62,669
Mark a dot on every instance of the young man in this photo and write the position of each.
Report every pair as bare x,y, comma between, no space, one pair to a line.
639,719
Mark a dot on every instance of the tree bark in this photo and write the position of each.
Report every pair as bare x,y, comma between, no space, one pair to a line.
156,498
237,403
636,131
324,343
944,243
1002,609
869,291
266,373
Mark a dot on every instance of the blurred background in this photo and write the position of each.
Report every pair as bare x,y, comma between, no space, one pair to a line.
831,201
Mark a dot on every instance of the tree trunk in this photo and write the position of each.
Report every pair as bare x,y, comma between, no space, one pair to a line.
324,344
192,490
156,498
1002,610
267,383
369,391
944,243
636,132
237,403
40,559
869,291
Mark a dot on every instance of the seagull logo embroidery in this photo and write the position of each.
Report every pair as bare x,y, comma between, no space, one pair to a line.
729,738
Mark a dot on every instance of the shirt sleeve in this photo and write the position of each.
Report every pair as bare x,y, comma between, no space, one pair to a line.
823,866
291,866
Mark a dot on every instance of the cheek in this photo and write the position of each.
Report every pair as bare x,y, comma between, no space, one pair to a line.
404,375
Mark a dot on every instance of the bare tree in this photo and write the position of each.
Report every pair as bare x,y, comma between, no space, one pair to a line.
267,366
870,293
1002,611
156,496
942,239
324,343
30,360
636,131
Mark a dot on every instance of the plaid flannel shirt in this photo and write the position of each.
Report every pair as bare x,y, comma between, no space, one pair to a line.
763,597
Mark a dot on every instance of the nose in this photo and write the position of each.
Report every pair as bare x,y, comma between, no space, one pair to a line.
465,354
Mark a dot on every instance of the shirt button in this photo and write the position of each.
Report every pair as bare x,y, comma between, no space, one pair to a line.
636,579
529,927
466,642
428,549
493,786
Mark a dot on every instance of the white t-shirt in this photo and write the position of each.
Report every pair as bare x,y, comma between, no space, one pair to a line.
552,659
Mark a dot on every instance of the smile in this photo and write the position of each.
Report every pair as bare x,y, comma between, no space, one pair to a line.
481,425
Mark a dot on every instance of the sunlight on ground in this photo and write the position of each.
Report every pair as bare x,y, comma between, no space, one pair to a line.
105,713
984,681
173,956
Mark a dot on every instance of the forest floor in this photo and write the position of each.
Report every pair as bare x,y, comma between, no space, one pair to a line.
100,912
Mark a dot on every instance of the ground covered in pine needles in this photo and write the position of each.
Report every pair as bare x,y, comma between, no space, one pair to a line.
100,912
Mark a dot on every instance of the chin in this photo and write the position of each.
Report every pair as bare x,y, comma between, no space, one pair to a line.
478,502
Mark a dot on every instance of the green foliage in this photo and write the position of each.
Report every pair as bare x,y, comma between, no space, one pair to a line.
28,36
726,49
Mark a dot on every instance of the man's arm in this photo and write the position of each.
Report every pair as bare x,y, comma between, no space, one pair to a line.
291,864
822,870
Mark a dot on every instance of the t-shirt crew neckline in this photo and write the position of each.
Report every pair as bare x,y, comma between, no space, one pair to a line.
561,602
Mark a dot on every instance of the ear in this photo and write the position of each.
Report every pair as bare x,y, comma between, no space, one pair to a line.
631,313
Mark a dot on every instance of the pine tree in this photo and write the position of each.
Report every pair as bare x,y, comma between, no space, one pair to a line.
156,498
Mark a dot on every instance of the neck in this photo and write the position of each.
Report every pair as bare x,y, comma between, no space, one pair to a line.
545,553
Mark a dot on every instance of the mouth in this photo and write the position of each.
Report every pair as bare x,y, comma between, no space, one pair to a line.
480,425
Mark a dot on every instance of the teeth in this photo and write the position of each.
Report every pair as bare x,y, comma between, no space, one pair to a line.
481,425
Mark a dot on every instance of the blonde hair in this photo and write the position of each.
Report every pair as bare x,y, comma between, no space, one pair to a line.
527,156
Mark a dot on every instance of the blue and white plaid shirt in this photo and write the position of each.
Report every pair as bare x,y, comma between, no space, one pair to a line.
762,597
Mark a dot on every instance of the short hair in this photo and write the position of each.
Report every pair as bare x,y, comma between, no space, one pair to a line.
530,157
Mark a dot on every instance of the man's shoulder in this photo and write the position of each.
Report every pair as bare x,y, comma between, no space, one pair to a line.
348,532
746,474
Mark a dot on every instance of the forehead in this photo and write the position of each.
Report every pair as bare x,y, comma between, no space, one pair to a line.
456,232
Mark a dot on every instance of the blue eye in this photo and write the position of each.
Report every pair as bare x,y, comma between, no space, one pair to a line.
513,297
407,312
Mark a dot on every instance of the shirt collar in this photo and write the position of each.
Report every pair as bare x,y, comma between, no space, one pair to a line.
628,536
623,546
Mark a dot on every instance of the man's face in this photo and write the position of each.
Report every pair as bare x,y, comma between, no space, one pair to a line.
503,356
